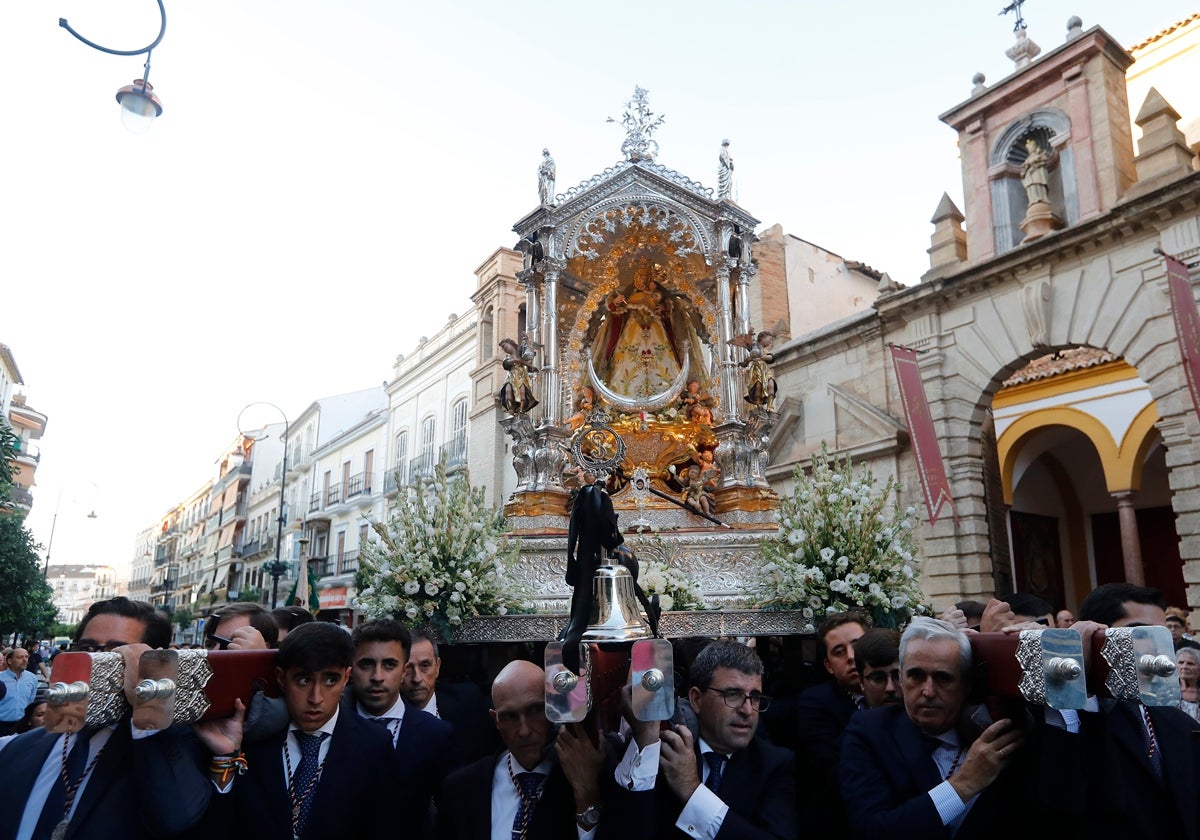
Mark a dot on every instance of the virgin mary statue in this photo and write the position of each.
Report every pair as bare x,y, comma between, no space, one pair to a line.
646,344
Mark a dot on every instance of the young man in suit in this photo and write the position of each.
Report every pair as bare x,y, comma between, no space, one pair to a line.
423,744
121,783
822,713
719,781
327,776
540,787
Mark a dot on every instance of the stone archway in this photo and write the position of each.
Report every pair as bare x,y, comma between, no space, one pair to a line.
979,336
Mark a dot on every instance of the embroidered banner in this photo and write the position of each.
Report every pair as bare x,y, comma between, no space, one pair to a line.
921,432
1187,323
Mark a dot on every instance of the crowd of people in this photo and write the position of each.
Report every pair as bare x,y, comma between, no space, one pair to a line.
365,739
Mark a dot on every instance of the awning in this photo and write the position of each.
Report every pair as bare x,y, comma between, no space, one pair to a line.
205,583
333,598
220,577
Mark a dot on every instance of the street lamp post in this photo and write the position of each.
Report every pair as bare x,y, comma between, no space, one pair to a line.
139,105
53,525
277,567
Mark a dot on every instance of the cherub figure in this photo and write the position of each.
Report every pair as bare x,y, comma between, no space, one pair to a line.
761,387
698,491
516,396
585,401
697,404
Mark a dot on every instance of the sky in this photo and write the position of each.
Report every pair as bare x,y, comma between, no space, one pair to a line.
327,176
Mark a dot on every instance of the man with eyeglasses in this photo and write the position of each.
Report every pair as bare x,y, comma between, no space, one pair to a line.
878,655
718,779
107,781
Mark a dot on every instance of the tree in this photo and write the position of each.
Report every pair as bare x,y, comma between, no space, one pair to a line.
26,605
182,618
9,446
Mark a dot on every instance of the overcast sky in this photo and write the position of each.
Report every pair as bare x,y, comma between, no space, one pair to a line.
327,175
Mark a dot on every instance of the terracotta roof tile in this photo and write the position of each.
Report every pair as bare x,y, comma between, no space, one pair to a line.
1064,361
1165,32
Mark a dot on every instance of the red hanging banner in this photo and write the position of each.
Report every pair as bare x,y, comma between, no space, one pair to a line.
921,432
1187,323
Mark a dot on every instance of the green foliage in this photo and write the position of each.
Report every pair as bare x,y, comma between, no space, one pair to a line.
9,442
442,558
58,630
182,618
250,595
26,605
840,548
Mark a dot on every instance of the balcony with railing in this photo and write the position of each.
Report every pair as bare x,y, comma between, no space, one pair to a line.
454,453
358,485
344,564
421,466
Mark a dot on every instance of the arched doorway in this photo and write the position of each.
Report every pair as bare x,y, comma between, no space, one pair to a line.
1084,478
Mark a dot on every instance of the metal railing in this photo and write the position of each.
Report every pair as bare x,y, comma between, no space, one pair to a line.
455,453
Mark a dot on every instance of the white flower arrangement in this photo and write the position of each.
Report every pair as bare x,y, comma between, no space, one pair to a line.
440,559
838,550
674,590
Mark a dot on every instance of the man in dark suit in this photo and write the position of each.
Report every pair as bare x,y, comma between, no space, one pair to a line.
822,713
328,775
1143,762
719,781
462,705
120,785
423,744
915,772
539,787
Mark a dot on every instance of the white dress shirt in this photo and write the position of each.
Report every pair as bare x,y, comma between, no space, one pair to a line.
702,814
51,770
506,801
291,747
394,717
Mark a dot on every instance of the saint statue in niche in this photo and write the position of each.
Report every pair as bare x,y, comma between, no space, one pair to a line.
646,344
1033,173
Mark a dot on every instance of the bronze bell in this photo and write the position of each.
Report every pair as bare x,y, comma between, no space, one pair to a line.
615,615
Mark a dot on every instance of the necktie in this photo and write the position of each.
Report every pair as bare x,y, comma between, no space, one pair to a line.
392,725
716,769
529,788
1152,751
305,780
54,810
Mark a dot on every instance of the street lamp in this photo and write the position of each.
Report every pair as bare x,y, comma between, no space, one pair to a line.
139,105
54,523
277,567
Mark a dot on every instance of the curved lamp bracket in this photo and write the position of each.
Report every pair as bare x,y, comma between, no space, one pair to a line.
162,30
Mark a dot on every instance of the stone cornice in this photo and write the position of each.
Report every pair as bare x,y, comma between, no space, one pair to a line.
1128,218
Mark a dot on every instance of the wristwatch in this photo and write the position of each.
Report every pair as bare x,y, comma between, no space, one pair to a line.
589,819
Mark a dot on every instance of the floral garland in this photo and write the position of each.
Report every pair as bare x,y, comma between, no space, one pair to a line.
441,558
837,549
